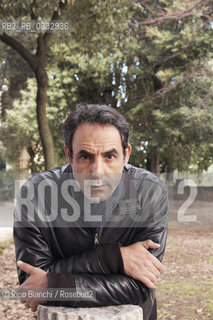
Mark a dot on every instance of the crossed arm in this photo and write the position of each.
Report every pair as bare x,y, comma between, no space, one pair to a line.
83,271
139,264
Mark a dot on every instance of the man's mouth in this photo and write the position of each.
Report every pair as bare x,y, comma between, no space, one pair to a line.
99,186
97,183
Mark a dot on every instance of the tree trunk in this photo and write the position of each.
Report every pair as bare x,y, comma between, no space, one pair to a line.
38,63
169,176
153,163
44,130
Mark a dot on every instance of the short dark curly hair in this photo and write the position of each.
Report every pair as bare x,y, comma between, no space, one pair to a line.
95,113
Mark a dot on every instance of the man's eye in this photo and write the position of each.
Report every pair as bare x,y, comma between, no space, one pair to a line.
110,156
84,157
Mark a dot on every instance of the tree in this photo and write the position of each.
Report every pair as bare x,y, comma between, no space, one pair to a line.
14,73
164,67
20,130
147,59
37,61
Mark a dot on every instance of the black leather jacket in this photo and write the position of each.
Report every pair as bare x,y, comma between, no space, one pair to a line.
75,254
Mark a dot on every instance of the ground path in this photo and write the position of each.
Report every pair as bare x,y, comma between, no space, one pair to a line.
185,289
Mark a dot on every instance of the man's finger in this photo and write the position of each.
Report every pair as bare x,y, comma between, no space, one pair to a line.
25,267
27,305
22,301
149,244
149,275
157,264
34,306
156,272
147,282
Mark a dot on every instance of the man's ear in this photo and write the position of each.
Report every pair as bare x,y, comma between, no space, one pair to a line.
127,154
67,154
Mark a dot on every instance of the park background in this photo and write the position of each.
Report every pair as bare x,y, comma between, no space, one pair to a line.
153,61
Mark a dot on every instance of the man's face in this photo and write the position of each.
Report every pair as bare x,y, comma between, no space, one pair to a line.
98,159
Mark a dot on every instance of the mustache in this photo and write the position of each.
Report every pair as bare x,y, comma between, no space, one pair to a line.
96,182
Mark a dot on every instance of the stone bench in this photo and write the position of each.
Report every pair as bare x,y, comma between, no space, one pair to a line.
121,312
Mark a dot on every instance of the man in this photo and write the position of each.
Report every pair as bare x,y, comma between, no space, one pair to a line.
95,224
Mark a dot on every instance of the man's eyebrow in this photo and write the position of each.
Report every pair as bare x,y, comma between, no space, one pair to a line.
84,152
110,151
105,153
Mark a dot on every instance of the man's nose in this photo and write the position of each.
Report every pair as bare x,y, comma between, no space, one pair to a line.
97,167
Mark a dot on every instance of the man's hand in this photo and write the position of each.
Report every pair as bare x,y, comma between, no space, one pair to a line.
36,280
140,264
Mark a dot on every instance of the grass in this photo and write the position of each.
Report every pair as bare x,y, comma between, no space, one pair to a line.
5,244
187,300
211,260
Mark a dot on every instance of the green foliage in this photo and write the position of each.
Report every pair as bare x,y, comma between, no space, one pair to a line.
153,60
6,185
20,128
167,103
195,294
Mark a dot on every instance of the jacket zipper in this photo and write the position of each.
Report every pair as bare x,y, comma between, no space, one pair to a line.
96,239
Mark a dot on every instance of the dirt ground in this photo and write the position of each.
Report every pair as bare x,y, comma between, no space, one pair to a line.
11,309
185,288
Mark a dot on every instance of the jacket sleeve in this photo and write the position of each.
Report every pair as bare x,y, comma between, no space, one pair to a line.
33,245
100,290
156,227
104,289
105,259
118,288
108,289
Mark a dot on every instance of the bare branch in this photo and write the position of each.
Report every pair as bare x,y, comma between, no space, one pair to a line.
56,15
176,15
184,49
161,92
202,102
32,13
18,47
